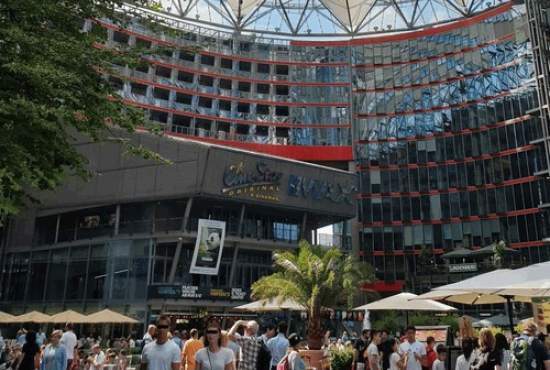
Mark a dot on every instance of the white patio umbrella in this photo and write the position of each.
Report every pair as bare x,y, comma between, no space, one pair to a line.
275,304
480,289
33,316
5,318
533,288
403,302
111,317
69,316
462,297
495,282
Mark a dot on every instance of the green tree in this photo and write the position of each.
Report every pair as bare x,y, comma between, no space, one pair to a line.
316,278
51,91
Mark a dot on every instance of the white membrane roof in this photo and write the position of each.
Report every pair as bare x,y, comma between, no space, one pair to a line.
310,18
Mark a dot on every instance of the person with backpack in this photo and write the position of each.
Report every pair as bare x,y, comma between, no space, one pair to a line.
431,356
485,357
528,352
254,353
295,361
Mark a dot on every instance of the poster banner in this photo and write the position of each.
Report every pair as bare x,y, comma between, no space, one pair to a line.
208,248
541,312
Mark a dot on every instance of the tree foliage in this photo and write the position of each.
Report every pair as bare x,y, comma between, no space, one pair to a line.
50,90
316,278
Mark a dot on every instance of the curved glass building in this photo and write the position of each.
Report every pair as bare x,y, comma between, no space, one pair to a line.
438,99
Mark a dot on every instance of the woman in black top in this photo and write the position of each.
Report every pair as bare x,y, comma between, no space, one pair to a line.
485,357
30,351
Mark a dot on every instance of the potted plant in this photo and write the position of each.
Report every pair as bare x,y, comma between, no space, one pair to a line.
318,279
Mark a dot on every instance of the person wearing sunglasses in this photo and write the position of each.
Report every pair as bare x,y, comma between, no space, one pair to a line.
162,353
55,355
213,356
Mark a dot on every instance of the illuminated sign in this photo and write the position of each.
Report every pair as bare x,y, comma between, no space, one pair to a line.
262,184
197,292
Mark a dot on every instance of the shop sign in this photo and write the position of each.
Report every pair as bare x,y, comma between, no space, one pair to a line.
262,183
463,267
176,291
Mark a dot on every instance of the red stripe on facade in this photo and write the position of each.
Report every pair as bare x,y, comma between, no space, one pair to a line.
262,61
438,82
435,164
435,57
224,119
301,153
435,29
447,134
492,216
450,190
245,79
435,109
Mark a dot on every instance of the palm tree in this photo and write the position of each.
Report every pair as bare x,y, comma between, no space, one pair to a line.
316,278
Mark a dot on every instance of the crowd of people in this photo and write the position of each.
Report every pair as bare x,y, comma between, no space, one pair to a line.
375,351
220,349
228,350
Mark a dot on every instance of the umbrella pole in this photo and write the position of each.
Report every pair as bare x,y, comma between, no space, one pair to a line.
407,316
510,309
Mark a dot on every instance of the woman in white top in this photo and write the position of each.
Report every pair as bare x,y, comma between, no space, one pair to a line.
463,361
295,362
396,362
213,356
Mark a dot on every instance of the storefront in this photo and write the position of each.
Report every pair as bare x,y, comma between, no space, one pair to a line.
187,239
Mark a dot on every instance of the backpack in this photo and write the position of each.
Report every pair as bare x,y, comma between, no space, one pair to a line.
263,361
283,364
480,360
522,356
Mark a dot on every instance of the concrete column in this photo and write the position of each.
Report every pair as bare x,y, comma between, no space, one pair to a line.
241,219
117,220
304,225
177,253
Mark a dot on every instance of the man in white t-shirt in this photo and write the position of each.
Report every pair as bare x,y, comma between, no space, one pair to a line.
372,350
416,351
162,353
96,358
69,341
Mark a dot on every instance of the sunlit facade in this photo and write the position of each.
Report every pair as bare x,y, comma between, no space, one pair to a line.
439,106
439,122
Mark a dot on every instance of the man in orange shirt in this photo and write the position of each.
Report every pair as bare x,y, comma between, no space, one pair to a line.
189,349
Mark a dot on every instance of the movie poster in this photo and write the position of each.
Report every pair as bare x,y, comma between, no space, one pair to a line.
208,248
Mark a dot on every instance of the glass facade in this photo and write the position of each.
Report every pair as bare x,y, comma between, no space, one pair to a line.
91,259
445,144
438,121
441,125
